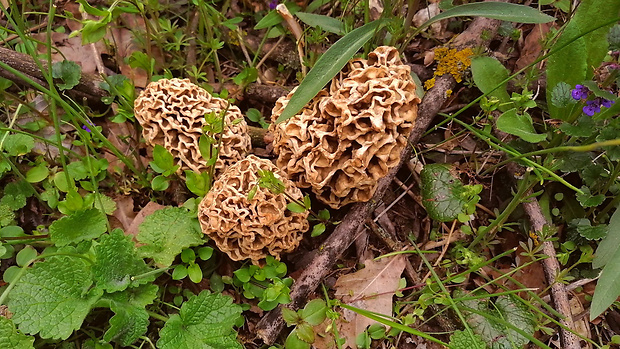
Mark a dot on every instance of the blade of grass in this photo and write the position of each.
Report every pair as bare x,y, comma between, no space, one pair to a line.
330,63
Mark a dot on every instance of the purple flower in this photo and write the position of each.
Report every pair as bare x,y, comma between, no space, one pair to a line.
607,103
580,92
84,127
273,4
592,107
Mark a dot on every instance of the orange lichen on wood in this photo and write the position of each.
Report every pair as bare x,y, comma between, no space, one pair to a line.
450,61
351,134
252,228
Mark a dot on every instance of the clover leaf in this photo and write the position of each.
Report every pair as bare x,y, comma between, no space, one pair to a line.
204,322
166,233
117,263
10,338
53,297
130,320
79,226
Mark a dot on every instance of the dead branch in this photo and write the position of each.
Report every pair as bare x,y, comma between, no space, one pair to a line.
269,327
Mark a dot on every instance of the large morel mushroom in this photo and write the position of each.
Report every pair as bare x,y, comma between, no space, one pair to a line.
351,134
244,228
172,114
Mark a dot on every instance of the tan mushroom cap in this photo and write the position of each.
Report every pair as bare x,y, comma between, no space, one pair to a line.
254,228
171,112
351,134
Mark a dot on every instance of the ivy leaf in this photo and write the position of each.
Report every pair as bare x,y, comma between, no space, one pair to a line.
10,338
588,200
117,262
584,127
53,297
519,125
441,192
67,71
130,320
483,316
204,322
166,233
79,226
464,340
585,229
18,144
561,95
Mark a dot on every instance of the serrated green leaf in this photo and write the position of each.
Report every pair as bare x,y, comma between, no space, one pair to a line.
495,334
329,24
614,38
166,232
80,226
586,230
10,338
488,73
130,320
583,127
610,244
18,144
7,216
464,340
561,95
291,317
102,202
204,322
441,192
67,71
519,125
53,297
314,312
117,263
328,65
588,200
293,341
305,332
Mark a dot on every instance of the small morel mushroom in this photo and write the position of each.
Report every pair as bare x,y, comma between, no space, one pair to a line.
172,114
255,227
350,135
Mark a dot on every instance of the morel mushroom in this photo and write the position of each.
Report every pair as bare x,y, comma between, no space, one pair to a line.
251,227
350,135
172,114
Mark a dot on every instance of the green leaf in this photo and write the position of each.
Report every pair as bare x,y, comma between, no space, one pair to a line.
583,127
37,174
609,246
488,73
608,286
194,272
163,161
464,340
117,263
305,332
441,192
318,230
293,342
160,183
205,253
130,320
586,230
18,144
166,232
561,95
519,125
376,331
329,24
328,65
205,322
495,10
291,317
496,334
614,38
273,17
10,338
588,200
179,272
53,297
80,226
26,255
295,207
314,312
67,71
197,183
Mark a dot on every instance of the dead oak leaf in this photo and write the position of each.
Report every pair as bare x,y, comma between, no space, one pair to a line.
371,289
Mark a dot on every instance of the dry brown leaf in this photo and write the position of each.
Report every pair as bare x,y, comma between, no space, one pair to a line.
124,212
146,211
532,46
371,289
